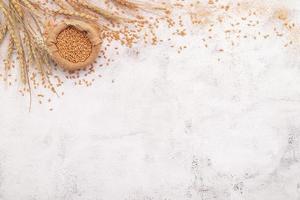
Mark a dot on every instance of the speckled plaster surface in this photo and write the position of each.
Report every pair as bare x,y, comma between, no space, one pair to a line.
163,126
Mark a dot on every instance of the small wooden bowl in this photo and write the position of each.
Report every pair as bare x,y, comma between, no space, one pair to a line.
89,30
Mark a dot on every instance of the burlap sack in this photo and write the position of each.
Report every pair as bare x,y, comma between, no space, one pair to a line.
92,34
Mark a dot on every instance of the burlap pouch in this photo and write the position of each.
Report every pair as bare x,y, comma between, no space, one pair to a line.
92,34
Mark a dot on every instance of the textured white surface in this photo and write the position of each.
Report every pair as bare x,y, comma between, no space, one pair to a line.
169,127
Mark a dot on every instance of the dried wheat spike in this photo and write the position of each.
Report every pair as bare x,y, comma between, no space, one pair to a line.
126,4
29,5
75,14
3,31
16,5
16,38
8,59
28,48
61,4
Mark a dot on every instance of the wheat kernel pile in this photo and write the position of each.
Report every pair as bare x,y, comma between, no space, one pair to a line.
73,45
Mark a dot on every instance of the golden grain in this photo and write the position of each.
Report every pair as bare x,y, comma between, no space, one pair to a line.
74,45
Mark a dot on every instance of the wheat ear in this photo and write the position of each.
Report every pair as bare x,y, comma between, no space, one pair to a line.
75,14
61,4
28,5
146,6
100,11
17,7
3,31
16,38
8,60
28,45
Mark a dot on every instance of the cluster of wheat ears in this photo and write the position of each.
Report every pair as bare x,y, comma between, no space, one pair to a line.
22,24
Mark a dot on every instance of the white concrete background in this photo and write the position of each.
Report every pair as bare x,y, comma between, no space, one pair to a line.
170,127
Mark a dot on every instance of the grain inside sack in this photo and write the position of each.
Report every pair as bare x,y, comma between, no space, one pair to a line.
74,44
